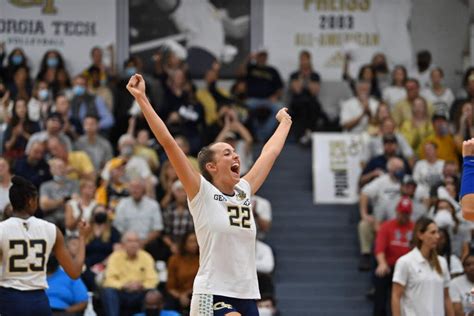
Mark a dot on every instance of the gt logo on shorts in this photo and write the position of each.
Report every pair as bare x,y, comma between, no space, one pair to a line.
221,305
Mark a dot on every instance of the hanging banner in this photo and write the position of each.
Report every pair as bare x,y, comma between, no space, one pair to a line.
336,167
329,29
70,26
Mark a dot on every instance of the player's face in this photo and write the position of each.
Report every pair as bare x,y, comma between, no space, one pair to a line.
227,162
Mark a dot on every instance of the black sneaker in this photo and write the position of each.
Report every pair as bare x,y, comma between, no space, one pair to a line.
364,263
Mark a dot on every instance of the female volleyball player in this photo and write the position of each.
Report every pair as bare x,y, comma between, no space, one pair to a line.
219,201
25,245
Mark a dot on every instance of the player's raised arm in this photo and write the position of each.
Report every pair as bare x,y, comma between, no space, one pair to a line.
467,181
72,266
260,170
185,171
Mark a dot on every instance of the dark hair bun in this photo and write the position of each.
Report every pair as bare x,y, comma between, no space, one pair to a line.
17,180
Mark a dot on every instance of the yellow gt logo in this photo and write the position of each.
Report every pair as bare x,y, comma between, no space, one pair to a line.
48,5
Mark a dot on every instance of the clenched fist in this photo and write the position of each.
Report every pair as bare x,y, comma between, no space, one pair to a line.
283,115
468,148
136,86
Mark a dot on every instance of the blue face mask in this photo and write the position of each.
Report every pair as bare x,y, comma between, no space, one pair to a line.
79,90
52,62
399,174
130,71
17,60
43,94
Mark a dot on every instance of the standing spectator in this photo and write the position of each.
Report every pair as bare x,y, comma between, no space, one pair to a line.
84,104
54,126
80,209
357,111
97,87
380,66
95,146
422,276
392,242
15,60
33,166
375,125
366,73
403,110
139,213
464,124
305,108
130,273
440,96
55,193
423,68
72,127
21,86
264,89
62,84
444,250
67,297
460,288
39,105
429,171
177,219
18,132
419,127
52,61
182,269
97,62
396,91
5,184
377,193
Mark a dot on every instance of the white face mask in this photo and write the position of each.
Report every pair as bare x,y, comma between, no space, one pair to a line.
265,311
443,218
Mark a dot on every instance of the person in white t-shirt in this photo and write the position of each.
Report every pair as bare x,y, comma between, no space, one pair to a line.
440,96
421,277
25,245
220,203
460,288
396,92
357,111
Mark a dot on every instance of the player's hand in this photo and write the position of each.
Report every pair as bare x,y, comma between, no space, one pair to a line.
136,86
84,228
283,115
468,148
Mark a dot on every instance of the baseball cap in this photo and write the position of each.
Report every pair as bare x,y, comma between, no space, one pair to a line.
408,179
115,163
439,115
405,205
389,138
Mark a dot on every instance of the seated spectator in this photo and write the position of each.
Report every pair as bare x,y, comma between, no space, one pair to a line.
50,63
239,137
54,127
130,273
375,125
465,124
460,288
182,269
39,105
264,89
305,109
143,149
20,86
183,144
377,165
84,104
111,192
366,73
55,193
392,241
154,305
377,193
139,213
375,146
102,240
80,209
95,146
262,213
5,183
33,166
266,306
72,127
429,171
15,59
98,63
177,220
18,132
444,140
62,84
168,176
403,110
265,262
357,111
440,96
444,250
97,85
396,91
67,297
78,164
468,84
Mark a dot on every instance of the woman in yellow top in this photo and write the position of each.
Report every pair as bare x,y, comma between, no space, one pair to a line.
419,127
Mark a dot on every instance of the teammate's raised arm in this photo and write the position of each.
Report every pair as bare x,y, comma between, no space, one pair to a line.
467,181
260,170
185,171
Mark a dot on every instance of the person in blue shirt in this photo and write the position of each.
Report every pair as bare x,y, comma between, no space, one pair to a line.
66,296
154,306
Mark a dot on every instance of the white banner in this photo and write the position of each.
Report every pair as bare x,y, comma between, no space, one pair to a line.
330,28
72,27
336,167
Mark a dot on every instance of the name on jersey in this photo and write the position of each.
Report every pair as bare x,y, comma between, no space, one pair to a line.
222,198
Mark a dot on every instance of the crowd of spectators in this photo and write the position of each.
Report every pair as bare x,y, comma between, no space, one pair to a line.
83,142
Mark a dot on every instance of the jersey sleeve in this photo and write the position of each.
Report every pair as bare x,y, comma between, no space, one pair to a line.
197,204
246,186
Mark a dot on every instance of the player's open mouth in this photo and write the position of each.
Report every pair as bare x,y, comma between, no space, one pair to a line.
235,168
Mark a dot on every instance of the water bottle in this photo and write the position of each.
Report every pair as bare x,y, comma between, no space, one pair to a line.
90,308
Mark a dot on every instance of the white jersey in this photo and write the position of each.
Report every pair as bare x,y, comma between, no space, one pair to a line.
25,246
226,233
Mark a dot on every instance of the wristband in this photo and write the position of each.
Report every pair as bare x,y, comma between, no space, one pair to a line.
467,181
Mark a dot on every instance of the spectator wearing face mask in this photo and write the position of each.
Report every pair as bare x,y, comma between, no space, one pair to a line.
443,139
267,306
40,102
379,193
51,62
